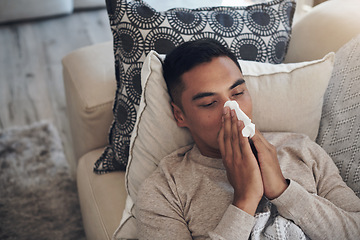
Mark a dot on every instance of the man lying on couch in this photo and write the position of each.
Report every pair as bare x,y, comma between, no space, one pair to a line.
220,188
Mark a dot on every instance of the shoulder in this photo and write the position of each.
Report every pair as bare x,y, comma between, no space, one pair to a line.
294,142
297,150
167,168
172,161
298,147
281,139
162,183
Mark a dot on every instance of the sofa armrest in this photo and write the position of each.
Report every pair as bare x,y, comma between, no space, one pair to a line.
90,85
102,198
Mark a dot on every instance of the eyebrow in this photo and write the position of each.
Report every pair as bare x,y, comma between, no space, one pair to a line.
237,83
208,94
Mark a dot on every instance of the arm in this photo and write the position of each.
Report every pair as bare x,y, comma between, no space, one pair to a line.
158,211
332,213
160,215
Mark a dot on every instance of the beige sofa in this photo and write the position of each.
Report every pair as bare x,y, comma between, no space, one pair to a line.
90,88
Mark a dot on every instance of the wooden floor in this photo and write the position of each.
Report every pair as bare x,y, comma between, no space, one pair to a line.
31,84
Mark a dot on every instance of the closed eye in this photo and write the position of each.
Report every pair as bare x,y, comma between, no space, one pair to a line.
239,93
208,105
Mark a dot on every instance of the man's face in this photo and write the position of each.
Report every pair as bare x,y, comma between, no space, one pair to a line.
207,87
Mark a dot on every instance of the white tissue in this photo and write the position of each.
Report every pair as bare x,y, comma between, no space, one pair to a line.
249,129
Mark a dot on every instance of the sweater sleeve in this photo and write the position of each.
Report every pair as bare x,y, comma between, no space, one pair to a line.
159,215
235,224
333,212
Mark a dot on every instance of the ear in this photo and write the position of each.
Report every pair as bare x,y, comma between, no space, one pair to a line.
178,115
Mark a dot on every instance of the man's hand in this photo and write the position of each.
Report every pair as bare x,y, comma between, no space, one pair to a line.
251,178
273,180
242,168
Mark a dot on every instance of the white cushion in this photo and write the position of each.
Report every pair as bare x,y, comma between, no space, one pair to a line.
326,28
286,97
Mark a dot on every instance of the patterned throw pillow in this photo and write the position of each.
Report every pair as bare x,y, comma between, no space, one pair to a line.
259,32
339,132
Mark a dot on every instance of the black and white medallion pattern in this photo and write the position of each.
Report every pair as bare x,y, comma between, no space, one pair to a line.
225,22
129,43
142,16
260,32
162,40
186,21
250,47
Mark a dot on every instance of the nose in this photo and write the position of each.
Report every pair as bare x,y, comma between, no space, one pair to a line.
222,103
225,99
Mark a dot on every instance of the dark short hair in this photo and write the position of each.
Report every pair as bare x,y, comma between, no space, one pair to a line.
187,56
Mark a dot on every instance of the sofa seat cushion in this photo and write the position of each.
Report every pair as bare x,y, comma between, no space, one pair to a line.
102,198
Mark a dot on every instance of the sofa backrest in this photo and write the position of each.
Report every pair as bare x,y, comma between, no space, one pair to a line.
326,28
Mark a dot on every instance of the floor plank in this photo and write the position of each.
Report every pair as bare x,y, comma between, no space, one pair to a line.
31,84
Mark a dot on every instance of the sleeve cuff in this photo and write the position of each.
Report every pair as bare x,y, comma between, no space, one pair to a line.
288,202
235,224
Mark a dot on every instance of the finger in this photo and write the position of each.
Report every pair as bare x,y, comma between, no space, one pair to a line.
244,142
236,131
260,142
221,138
266,152
227,136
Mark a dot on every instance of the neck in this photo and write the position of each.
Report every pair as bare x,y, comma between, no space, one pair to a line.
209,152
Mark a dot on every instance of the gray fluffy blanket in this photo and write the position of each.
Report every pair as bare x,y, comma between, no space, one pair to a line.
38,195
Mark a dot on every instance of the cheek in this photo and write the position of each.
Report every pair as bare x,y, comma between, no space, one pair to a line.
213,123
248,112
208,122
246,106
205,122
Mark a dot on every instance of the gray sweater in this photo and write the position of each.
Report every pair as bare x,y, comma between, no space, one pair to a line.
189,196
